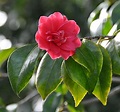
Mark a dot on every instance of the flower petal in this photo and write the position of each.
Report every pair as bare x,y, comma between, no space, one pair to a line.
65,54
70,28
57,19
42,19
42,43
54,51
77,42
63,35
68,45
45,27
77,29
54,48
53,55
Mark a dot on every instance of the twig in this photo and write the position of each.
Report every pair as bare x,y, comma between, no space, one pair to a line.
28,98
98,37
115,79
85,102
3,75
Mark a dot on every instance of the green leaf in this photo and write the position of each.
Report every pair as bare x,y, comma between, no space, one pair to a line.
97,25
107,26
52,103
77,109
4,54
114,28
21,66
115,11
3,109
48,75
77,91
114,51
2,104
96,13
90,56
103,85
78,73
62,89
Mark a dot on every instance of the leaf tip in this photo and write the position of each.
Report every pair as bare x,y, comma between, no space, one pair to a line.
76,104
104,102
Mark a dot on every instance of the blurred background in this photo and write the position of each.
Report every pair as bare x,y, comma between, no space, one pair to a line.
18,25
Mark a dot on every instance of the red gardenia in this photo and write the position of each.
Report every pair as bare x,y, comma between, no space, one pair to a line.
58,35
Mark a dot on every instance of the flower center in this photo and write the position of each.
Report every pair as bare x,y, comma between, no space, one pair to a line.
58,37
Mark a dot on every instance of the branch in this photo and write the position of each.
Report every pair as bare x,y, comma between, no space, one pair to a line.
98,37
115,79
3,75
28,98
84,102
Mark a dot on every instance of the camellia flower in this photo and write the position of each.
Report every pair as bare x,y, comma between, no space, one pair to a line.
58,35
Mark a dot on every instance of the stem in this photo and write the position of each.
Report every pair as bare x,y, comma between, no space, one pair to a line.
3,75
117,32
99,37
29,97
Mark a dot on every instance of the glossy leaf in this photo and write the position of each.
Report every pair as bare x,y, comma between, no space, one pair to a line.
77,109
103,85
77,91
62,89
114,51
4,54
21,66
90,56
78,73
48,75
107,26
52,103
114,28
112,31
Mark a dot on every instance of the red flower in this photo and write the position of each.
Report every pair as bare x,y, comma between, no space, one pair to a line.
58,35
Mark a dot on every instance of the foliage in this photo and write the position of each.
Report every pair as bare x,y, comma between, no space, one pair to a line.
88,71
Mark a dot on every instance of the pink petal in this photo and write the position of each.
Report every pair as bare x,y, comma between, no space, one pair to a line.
53,55
42,19
54,48
57,19
68,45
45,27
65,54
77,29
42,43
42,29
52,24
71,44
54,51
37,36
70,28
77,42
72,52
